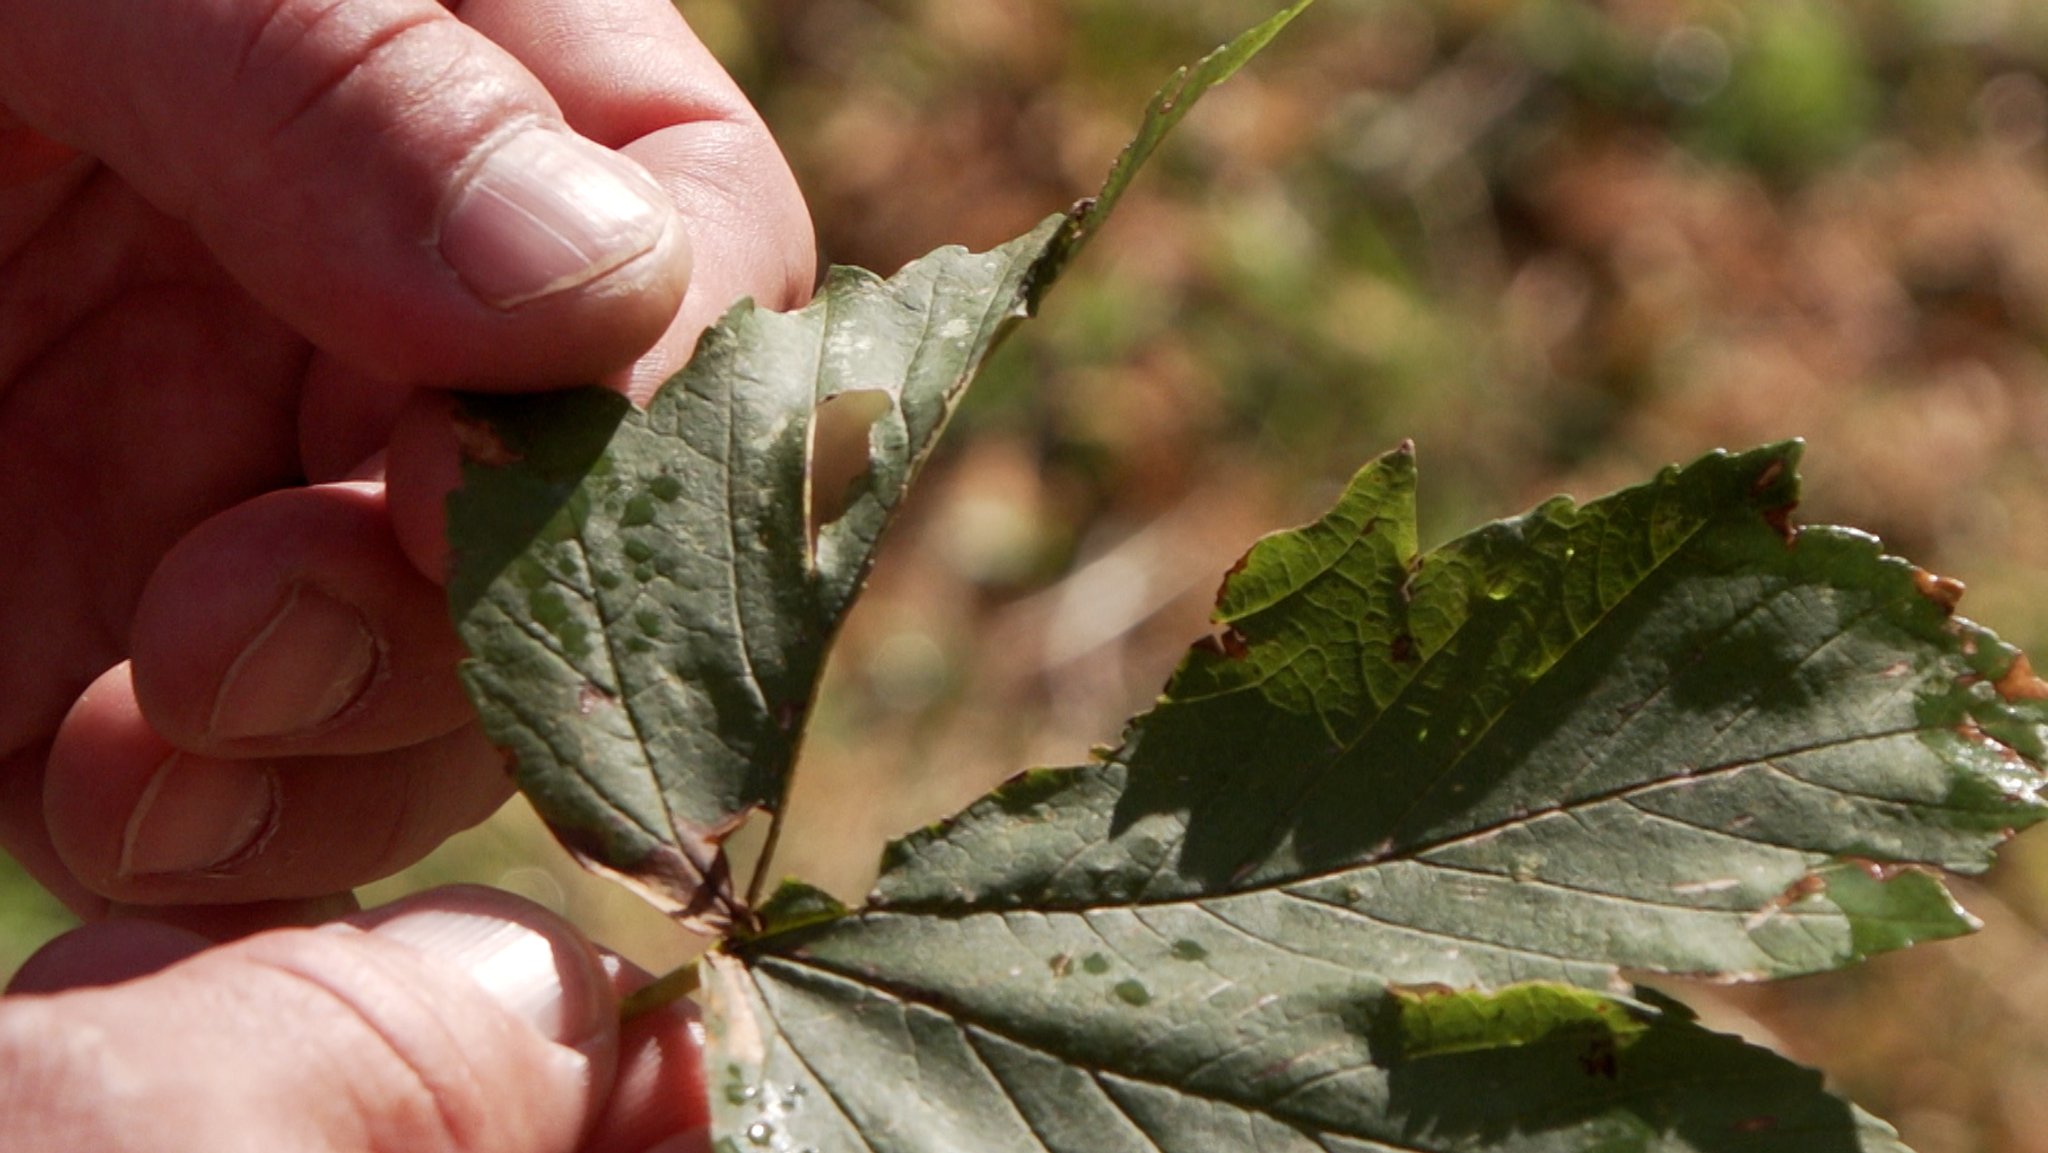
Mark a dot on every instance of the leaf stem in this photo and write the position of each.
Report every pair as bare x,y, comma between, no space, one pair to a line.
766,858
666,990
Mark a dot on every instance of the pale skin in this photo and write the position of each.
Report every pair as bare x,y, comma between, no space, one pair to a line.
241,243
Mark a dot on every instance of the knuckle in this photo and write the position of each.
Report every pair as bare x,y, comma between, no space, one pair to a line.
375,1022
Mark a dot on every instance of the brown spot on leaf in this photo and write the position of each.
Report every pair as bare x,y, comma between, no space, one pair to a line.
1759,1124
2020,683
1780,520
478,441
1228,643
1880,871
1772,473
590,698
1810,885
1973,732
1945,592
1403,648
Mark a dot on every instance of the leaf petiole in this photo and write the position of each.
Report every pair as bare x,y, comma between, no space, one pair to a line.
664,991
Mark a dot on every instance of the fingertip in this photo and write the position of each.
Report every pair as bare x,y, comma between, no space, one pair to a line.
545,212
533,963
422,467
463,233
456,1020
659,1099
104,753
105,953
294,624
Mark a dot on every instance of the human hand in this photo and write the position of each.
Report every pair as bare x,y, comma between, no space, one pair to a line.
225,682
460,1020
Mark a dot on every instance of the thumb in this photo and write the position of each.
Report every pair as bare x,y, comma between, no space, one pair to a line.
466,1020
378,174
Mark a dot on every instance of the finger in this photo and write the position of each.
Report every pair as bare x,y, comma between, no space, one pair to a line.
25,836
460,1021
632,75
136,819
422,467
762,251
105,953
26,155
658,1098
293,623
381,176
232,922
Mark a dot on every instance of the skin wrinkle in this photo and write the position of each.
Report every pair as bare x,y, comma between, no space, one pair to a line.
28,207
448,1089
44,1058
48,290
421,113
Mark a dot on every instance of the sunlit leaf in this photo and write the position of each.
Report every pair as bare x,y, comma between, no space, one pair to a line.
1661,731
648,596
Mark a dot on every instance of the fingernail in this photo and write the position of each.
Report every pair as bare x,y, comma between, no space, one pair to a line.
547,211
523,969
311,661
198,815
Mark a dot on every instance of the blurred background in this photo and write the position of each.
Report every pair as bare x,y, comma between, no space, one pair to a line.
1558,243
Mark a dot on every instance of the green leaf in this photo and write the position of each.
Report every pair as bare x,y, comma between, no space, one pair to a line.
1661,731
640,591
648,596
1167,108
803,1061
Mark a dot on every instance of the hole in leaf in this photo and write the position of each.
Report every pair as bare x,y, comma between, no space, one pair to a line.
841,454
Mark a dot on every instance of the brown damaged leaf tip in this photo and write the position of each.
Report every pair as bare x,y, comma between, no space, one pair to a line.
1228,643
1945,592
1780,520
2020,683
1778,517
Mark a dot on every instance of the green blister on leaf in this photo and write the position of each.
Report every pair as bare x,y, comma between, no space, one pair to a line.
1436,1021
